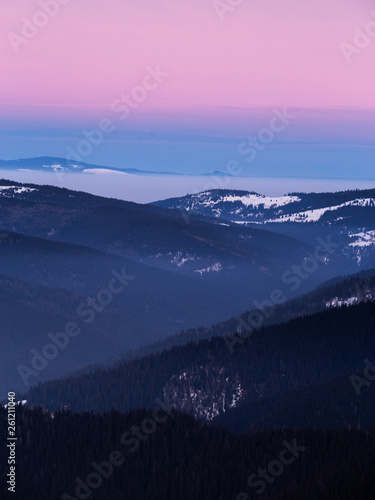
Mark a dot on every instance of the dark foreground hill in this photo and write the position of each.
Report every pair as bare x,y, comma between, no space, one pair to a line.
164,455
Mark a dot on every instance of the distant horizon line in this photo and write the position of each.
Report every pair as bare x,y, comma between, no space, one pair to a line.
135,171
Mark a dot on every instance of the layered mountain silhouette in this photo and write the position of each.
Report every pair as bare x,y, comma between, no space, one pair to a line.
248,337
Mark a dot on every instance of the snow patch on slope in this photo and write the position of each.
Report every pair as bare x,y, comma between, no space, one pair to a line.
339,302
249,200
206,392
255,200
316,214
217,267
181,257
363,239
9,191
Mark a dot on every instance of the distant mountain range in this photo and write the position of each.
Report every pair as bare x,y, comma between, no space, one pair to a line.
249,207
347,216
62,165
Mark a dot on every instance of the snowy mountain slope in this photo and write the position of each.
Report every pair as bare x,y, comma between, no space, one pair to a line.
251,207
317,214
347,216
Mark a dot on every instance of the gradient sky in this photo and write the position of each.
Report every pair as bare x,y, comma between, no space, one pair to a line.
265,53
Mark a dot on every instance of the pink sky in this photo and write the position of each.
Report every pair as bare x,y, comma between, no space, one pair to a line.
264,53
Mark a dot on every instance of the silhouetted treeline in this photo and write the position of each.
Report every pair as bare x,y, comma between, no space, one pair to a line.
182,459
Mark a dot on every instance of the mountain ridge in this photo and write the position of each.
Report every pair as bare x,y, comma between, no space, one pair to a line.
207,379
62,165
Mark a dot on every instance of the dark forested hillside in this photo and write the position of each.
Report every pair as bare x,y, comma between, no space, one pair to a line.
207,379
164,455
347,400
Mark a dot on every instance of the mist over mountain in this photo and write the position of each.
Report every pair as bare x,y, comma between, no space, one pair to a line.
61,166
246,312
184,273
